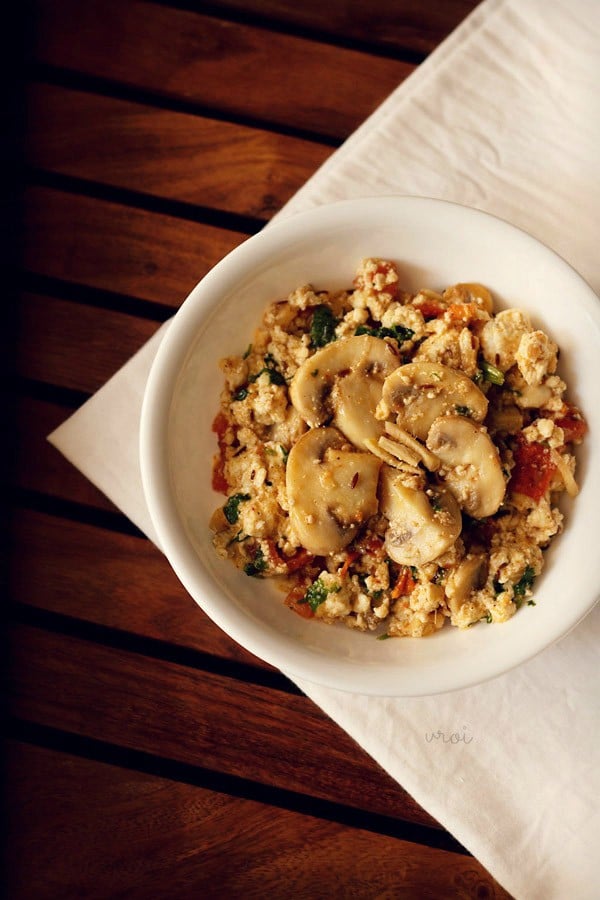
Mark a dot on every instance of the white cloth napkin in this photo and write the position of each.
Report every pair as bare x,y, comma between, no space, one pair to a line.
504,116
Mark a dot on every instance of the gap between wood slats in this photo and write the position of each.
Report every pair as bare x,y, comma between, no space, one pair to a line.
230,785
203,168
150,647
190,717
118,90
228,221
402,29
113,247
233,68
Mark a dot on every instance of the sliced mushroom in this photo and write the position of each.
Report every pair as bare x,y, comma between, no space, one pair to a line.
471,465
419,392
342,384
469,575
423,525
332,490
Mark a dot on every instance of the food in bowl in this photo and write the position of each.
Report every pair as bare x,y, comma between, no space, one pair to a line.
394,458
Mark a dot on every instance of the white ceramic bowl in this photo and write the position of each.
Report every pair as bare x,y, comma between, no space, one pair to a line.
435,244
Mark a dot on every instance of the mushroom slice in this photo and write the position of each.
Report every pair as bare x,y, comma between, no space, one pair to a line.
342,383
470,464
469,575
419,392
332,490
423,525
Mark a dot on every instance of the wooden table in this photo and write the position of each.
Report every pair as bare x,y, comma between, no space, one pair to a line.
148,755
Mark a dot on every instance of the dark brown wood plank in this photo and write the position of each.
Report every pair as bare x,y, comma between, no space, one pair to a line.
195,717
289,81
40,467
168,154
80,828
74,345
118,248
402,25
120,581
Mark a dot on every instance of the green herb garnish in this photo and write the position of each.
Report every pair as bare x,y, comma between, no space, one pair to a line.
232,507
398,332
492,373
384,637
258,564
317,593
248,352
322,327
241,393
524,584
463,410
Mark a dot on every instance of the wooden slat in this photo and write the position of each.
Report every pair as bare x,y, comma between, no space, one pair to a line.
80,828
196,718
116,580
117,248
73,345
168,154
402,25
40,467
202,59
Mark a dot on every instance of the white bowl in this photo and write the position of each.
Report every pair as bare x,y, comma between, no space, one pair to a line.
435,244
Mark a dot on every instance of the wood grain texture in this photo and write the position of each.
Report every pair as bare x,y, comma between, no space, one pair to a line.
401,25
287,81
39,467
173,155
195,717
74,345
87,829
114,580
118,248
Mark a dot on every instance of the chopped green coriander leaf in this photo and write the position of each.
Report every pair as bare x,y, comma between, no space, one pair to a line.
241,393
239,538
284,452
258,564
524,584
275,377
232,507
317,593
414,572
322,327
531,603
488,618
248,352
463,410
492,373
384,637
398,332
435,504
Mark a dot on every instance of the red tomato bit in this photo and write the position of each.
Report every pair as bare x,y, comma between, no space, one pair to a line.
533,470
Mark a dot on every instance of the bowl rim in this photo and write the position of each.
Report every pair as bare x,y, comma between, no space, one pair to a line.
153,453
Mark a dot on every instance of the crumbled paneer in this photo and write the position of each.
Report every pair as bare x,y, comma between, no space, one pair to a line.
394,459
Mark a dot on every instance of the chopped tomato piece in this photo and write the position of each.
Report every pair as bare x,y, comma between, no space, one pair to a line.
219,482
405,583
431,309
300,559
533,470
462,313
295,601
573,424
351,557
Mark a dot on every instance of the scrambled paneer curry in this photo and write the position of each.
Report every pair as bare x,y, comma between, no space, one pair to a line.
393,458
